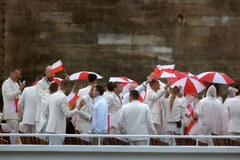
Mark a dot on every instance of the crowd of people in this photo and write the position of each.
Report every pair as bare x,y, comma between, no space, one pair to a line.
44,108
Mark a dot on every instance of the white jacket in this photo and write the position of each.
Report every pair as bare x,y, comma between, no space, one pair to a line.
154,101
28,105
41,86
83,123
135,118
58,111
10,91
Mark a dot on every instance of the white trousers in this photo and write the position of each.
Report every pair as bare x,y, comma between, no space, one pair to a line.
13,127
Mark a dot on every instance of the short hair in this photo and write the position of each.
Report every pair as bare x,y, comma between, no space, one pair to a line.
92,77
115,84
152,82
134,94
64,83
100,89
110,86
13,69
53,87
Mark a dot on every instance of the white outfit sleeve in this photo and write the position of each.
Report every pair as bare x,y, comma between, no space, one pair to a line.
6,89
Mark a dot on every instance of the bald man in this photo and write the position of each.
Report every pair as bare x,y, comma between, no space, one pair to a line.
41,86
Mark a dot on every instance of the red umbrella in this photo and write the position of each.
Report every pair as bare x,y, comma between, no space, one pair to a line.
190,85
215,77
82,75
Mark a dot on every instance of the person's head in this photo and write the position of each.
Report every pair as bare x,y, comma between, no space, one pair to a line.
98,90
212,92
117,86
48,74
110,86
15,74
53,87
92,78
154,84
64,85
91,91
232,92
133,95
181,92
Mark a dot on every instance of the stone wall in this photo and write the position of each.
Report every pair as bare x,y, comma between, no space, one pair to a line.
120,37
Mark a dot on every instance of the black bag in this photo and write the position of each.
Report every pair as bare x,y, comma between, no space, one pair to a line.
179,124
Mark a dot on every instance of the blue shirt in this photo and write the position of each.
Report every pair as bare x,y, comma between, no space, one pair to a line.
99,117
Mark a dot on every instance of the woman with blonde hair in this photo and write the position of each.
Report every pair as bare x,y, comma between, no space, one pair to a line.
174,113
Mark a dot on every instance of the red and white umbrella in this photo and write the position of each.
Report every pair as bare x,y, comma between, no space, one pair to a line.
178,75
215,77
82,75
190,85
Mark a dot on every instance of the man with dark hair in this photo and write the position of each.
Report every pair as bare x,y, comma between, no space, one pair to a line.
135,118
58,111
114,105
92,80
44,114
10,92
109,89
100,110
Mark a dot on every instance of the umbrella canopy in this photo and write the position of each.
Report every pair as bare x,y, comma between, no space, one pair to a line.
190,85
215,77
83,75
120,79
178,75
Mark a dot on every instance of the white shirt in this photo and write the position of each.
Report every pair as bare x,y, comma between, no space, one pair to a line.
99,118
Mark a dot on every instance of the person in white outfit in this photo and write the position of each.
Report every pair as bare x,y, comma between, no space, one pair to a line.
58,111
209,113
53,87
174,113
114,105
10,92
233,106
225,114
27,109
135,118
85,114
154,100
41,86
